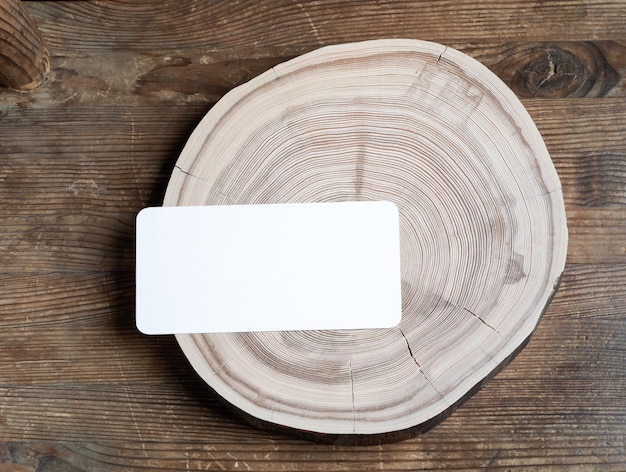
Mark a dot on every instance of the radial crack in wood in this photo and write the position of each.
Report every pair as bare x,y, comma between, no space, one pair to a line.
419,367
482,227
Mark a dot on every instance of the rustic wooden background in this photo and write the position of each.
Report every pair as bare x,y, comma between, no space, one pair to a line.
81,389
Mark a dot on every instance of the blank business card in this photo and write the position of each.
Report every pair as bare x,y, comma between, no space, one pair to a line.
241,268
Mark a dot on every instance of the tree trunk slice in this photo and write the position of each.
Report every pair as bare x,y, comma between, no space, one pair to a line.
483,231
24,56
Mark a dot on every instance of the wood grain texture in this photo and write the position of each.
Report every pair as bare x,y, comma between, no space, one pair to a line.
482,229
107,162
213,24
52,370
558,406
201,76
269,456
562,69
24,56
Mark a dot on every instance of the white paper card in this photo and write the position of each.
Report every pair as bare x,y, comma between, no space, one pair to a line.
239,268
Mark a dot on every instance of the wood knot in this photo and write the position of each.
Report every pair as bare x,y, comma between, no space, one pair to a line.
24,56
558,70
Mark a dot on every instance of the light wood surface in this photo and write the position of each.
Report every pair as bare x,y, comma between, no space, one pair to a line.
483,234
80,389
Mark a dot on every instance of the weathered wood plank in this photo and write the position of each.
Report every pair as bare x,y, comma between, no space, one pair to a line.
558,406
177,25
84,241
468,455
183,78
100,306
74,178
195,76
68,156
91,167
75,368
509,408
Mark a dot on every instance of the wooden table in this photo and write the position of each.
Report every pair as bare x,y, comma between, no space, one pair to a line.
81,389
